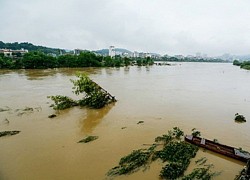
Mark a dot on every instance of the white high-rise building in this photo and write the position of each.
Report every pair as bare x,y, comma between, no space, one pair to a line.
111,51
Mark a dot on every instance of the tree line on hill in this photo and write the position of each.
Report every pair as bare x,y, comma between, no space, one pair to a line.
30,47
190,59
40,60
243,65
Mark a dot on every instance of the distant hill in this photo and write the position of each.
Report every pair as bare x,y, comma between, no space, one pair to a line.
30,47
117,50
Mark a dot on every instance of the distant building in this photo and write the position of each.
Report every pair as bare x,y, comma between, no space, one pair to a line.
204,56
198,55
125,54
112,51
167,56
179,56
135,54
78,51
190,56
13,53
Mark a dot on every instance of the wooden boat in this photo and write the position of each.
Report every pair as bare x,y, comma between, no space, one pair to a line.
228,151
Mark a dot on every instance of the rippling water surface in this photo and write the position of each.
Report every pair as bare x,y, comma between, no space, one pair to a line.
201,95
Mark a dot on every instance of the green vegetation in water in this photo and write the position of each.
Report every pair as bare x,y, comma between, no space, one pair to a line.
178,154
88,139
177,133
196,133
133,162
175,152
201,161
216,140
203,173
94,96
243,65
62,102
9,133
239,118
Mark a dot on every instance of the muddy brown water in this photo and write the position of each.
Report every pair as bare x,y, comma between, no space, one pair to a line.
188,95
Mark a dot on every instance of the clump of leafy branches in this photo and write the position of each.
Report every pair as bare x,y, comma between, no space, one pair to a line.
176,133
203,171
94,96
133,162
175,152
178,154
8,133
196,133
62,102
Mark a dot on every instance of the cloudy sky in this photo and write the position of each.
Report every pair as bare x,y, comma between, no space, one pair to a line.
169,27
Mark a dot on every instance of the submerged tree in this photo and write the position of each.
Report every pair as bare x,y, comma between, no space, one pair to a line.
94,96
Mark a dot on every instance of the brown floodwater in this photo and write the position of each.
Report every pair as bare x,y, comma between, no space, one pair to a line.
188,95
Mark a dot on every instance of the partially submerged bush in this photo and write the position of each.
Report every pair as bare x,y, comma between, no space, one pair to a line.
62,102
176,133
239,118
94,95
196,133
177,152
173,170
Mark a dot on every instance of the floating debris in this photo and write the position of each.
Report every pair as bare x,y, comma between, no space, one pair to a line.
201,161
123,127
140,122
52,116
88,139
8,133
6,108
28,109
38,109
5,121
203,172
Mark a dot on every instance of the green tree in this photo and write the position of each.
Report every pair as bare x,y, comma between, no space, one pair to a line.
236,63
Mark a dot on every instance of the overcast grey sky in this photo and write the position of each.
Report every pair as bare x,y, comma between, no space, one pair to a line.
169,27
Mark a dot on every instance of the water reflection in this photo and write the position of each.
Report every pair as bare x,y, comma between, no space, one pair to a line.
93,118
40,74
109,71
126,70
147,68
73,71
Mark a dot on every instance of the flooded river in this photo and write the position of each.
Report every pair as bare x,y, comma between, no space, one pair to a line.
188,95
